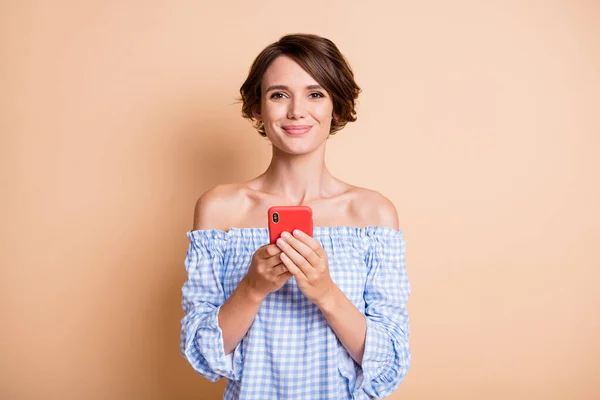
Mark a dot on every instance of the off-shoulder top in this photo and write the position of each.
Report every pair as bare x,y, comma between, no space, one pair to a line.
290,351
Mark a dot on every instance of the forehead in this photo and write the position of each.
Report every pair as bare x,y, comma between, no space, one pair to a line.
285,71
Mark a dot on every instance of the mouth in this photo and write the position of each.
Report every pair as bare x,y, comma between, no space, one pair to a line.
296,130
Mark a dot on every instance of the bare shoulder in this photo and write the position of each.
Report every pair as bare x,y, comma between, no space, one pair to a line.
373,208
216,208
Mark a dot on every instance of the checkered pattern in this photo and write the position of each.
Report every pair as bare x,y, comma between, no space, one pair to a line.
290,352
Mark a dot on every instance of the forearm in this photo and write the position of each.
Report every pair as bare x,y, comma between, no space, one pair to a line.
237,314
348,323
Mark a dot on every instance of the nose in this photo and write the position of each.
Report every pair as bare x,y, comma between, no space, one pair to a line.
296,110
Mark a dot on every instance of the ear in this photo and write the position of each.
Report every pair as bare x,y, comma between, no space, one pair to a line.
256,114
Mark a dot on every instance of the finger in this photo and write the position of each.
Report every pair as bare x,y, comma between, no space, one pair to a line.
279,269
291,267
303,249
295,257
269,251
285,276
310,242
273,261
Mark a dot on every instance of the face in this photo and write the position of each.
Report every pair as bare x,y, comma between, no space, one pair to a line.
295,109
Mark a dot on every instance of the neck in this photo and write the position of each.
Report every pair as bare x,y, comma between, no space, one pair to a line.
299,179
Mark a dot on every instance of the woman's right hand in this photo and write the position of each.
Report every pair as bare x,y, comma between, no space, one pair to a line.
267,273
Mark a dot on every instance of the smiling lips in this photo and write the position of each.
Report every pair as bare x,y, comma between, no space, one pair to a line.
296,130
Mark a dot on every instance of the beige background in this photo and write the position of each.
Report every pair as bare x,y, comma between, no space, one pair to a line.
479,120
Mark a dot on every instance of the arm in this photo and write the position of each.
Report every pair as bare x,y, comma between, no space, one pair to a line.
265,273
239,310
237,314
203,342
348,323
387,353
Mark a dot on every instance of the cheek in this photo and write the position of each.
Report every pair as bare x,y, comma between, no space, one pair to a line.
273,111
323,112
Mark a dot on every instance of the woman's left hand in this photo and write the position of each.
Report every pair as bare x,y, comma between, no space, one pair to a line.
306,260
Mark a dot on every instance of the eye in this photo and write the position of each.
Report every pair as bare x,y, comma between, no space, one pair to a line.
316,95
277,96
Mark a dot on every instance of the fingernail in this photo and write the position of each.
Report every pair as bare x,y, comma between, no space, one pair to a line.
280,242
285,234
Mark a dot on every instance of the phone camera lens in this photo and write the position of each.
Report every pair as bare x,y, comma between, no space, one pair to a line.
275,217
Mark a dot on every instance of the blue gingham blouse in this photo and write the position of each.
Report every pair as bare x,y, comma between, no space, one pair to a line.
290,352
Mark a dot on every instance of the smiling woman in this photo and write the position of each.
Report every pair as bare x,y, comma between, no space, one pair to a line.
309,317
293,109
314,60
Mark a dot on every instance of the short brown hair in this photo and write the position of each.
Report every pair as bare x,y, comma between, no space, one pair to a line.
322,60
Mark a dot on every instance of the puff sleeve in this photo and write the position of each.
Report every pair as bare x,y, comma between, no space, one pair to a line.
201,341
386,358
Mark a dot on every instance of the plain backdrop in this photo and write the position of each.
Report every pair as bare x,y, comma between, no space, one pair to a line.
478,119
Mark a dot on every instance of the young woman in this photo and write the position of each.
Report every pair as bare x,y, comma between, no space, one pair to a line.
320,317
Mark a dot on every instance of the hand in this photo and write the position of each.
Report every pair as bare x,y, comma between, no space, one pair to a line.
267,273
306,260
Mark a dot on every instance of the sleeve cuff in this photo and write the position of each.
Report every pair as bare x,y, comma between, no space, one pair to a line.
378,354
208,342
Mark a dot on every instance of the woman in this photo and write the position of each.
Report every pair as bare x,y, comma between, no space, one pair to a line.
320,317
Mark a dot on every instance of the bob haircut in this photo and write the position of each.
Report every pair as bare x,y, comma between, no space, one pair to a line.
321,59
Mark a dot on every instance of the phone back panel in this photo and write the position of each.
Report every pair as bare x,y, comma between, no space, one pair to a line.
288,218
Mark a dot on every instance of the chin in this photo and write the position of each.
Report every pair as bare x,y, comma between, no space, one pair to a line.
297,148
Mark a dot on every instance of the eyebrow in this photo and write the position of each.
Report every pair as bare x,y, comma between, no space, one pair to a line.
283,87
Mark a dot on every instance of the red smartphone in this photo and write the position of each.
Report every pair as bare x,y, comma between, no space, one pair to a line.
288,218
